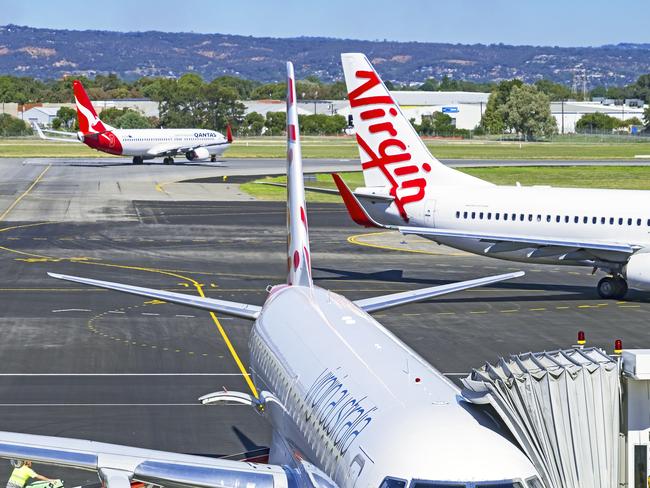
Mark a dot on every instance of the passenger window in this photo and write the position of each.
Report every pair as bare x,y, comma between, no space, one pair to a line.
611,221
638,221
629,221
548,218
557,219
514,217
602,220
566,219
464,215
620,221
539,218
457,215
594,220
576,219
505,217
480,215
530,217
489,216
496,216
585,220
473,215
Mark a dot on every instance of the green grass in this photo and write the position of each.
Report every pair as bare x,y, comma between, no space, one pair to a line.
620,177
346,148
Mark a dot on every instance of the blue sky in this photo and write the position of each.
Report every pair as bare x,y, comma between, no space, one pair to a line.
537,22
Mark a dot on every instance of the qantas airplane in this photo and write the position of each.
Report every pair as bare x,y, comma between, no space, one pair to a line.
194,144
409,190
350,404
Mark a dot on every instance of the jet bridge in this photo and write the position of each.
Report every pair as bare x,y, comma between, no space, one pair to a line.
563,408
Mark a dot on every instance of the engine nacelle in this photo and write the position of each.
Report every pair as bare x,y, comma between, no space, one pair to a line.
200,153
637,271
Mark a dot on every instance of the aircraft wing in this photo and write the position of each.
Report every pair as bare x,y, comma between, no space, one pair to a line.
236,309
495,243
375,304
171,149
118,465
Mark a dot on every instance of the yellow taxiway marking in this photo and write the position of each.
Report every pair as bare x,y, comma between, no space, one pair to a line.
355,240
25,193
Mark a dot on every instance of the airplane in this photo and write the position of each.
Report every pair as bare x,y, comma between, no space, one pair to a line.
409,190
350,404
141,144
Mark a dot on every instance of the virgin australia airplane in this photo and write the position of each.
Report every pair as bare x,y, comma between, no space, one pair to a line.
407,189
350,404
194,144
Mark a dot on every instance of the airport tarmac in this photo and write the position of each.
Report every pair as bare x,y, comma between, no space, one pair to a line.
82,362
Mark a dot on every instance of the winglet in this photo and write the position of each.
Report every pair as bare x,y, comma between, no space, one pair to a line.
229,134
355,209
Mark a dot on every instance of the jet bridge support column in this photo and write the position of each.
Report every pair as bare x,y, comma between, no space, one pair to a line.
636,416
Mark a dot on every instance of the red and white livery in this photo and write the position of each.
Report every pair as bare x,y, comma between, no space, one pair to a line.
140,144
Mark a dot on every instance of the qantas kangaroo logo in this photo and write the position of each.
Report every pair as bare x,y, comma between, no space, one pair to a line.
391,153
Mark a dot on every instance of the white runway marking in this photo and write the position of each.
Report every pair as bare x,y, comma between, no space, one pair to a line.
186,316
148,313
72,310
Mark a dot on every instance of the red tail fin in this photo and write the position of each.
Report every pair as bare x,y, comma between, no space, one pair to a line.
229,134
88,118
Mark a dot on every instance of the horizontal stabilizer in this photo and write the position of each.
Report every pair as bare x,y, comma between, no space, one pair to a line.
71,137
388,301
242,310
331,191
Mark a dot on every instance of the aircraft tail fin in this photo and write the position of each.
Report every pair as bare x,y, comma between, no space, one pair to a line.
89,121
229,137
392,154
298,256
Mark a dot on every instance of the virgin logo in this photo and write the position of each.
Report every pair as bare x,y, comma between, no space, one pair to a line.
391,155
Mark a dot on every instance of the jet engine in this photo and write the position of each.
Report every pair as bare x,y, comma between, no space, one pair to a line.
200,153
637,271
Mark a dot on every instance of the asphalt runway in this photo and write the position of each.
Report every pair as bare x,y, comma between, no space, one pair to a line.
87,363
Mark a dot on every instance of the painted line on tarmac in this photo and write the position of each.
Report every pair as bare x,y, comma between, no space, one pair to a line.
25,193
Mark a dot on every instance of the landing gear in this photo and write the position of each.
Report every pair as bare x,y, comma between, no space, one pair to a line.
612,287
168,160
138,159
213,158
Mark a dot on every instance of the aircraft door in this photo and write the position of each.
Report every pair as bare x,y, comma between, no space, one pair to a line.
429,213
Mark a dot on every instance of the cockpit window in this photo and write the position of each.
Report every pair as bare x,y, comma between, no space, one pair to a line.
436,484
392,483
534,482
506,484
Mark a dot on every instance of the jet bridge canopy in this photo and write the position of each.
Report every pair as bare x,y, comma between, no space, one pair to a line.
563,409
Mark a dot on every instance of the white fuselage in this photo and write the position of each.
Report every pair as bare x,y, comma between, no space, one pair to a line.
149,143
608,216
361,405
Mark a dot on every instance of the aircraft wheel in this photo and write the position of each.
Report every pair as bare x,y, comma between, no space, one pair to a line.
167,160
138,159
612,287
621,287
213,158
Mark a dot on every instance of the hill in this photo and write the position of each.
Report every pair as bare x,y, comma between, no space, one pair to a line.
50,53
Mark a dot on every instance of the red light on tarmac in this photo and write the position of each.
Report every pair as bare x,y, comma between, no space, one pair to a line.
417,380
618,346
581,338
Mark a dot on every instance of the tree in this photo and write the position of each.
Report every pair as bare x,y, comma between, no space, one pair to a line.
222,106
493,120
596,122
11,126
67,116
528,111
275,123
125,118
646,116
253,124
554,91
